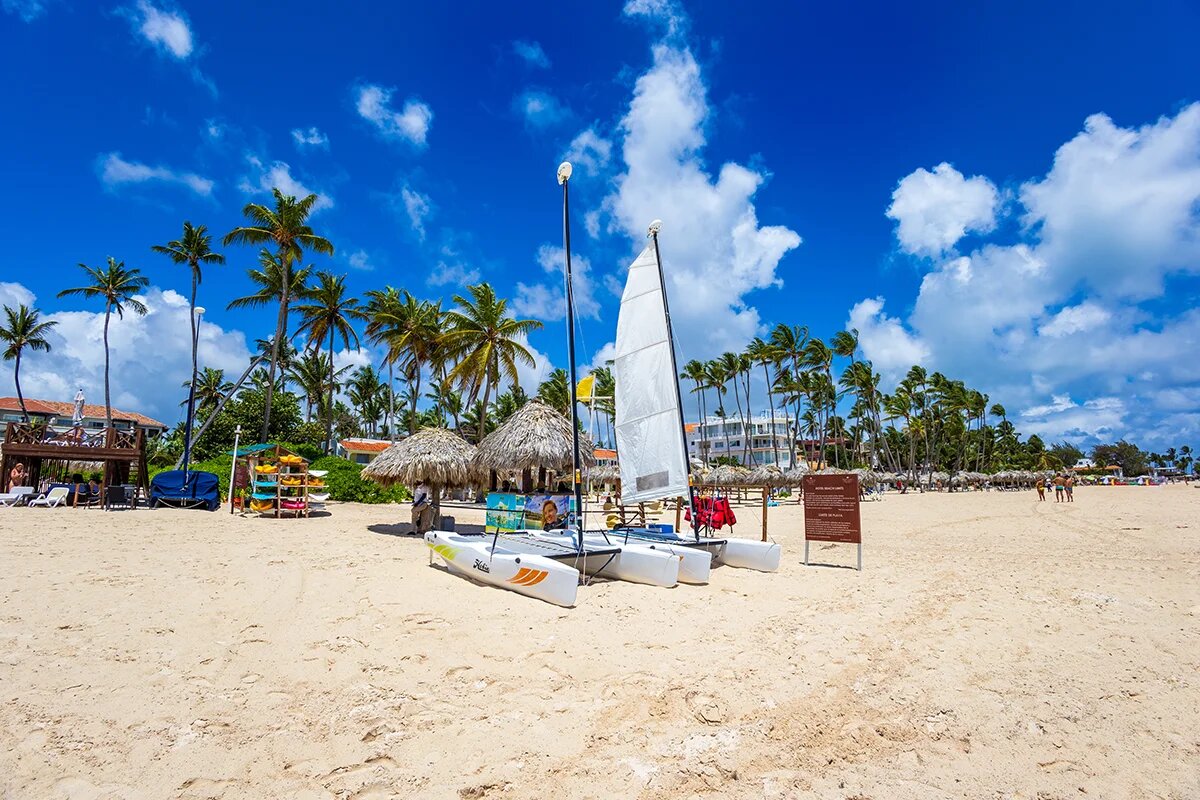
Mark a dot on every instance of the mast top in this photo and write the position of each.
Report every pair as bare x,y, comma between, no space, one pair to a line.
564,172
655,227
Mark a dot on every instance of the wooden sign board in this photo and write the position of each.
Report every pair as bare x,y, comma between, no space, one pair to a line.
831,511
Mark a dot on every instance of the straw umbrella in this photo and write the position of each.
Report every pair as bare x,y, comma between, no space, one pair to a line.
535,437
440,458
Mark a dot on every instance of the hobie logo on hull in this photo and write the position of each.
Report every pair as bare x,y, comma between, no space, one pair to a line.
482,566
528,577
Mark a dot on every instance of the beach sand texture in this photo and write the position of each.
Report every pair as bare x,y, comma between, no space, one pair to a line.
994,647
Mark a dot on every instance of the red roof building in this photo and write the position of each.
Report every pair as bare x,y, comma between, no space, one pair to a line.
55,413
362,451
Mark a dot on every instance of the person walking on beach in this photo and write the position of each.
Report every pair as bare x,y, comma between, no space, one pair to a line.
1069,487
422,510
1058,488
1041,489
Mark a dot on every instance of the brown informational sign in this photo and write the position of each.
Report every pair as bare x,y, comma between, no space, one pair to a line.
831,511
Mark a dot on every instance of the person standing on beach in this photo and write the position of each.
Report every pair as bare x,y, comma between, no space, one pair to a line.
1041,489
422,512
1069,487
16,477
1058,488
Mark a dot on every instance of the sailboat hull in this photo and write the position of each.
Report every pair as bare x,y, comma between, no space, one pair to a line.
695,563
749,554
528,574
636,562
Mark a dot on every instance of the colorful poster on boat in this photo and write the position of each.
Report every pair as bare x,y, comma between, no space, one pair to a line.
505,512
548,511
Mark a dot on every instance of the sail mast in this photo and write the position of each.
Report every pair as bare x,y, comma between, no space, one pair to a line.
655,227
564,177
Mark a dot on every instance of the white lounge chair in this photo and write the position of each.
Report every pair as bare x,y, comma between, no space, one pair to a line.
18,495
55,497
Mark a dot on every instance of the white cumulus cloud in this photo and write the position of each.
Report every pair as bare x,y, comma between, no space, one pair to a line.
116,171
531,53
589,150
311,137
417,207
151,386
714,250
933,210
1065,312
411,123
547,301
278,175
540,109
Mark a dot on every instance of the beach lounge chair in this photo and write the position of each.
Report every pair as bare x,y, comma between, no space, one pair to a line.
17,496
55,497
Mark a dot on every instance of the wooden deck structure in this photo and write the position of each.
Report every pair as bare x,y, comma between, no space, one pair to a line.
34,445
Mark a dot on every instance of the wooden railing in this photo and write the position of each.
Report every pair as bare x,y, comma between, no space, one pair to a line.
24,433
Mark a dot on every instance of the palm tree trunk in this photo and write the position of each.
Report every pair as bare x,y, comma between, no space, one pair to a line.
487,393
17,381
771,403
107,395
279,331
412,400
329,416
391,422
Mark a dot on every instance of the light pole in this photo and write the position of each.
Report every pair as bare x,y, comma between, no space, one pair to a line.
191,403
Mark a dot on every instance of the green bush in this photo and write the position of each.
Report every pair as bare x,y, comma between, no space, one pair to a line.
343,480
346,483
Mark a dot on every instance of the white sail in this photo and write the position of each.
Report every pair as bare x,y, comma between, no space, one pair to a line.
650,446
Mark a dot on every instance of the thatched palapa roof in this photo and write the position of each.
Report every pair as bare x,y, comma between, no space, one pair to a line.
434,455
535,437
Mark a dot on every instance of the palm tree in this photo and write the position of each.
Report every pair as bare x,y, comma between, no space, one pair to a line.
23,328
555,392
329,312
286,228
486,340
211,386
788,342
383,305
694,372
117,285
761,352
193,249
411,329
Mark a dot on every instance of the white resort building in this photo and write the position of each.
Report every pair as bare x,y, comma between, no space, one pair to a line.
727,436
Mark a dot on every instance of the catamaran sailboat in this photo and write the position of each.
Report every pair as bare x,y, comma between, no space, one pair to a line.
651,446
548,565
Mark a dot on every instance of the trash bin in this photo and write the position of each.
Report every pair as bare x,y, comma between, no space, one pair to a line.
448,524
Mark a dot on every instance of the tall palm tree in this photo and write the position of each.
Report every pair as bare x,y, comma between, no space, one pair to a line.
328,312
383,306
766,354
286,228
694,371
277,282
411,329
23,328
789,342
486,341
311,373
193,248
117,286
211,386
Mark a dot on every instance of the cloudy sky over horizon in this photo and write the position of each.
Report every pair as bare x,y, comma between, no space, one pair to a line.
1009,196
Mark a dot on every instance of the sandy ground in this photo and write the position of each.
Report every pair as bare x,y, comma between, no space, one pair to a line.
994,647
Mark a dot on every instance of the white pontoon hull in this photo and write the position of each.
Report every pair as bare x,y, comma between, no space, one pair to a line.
695,563
531,575
749,554
636,563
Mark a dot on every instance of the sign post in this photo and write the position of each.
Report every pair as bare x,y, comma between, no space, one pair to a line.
831,511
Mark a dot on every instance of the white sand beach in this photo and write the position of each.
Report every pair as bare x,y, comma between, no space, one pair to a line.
994,647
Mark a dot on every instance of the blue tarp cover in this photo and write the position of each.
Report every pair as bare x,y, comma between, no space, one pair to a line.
201,489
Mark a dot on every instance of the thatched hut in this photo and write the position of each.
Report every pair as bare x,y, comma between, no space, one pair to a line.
766,475
535,437
440,458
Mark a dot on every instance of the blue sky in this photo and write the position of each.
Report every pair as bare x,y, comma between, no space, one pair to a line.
1009,195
